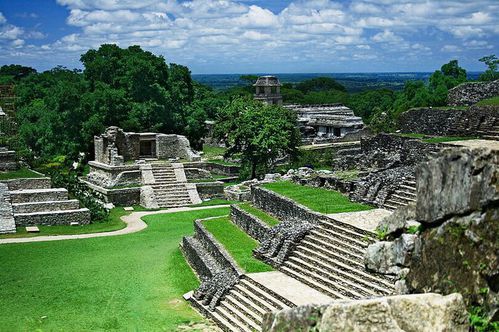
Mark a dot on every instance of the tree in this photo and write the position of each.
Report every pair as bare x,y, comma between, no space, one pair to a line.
320,84
260,133
491,73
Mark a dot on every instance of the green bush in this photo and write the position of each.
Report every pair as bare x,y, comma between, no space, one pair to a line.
91,200
479,321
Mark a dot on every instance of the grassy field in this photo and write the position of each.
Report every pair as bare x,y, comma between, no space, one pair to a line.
489,101
238,244
442,139
21,173
210,152
263,216
317,199
132,282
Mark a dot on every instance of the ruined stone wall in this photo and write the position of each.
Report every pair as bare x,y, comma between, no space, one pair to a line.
81,216
7,224
250,224
28,183
421,312
469,93
214,168
210,190
8,161
455,218
445,122
284,208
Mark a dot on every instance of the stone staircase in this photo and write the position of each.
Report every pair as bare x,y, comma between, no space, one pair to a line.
243,308
331,260
404,195
169,190
491,132
35,203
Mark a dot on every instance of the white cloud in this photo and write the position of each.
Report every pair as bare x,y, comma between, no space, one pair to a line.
386,36
232,32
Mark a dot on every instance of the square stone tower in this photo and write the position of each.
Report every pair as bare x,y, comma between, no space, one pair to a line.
268,90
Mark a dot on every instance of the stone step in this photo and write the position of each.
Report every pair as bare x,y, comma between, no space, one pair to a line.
403,198
253,306
325,277
45,206
241,316
247,307
354,241
341,228
357,277
330,243
411,189
407,194
332,250
262,293
393,205
38,195
255,298
335,259
61,217
307,279
227,323
411,183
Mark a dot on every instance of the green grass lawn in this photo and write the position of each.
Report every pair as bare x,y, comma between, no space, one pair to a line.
239,245
317,199
263,216
442,139
489,101
132,282
21,173
210,152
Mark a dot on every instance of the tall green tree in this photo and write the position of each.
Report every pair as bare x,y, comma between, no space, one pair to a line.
259,133
491,74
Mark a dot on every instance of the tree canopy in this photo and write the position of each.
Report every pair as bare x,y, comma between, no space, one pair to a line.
258,133
60,110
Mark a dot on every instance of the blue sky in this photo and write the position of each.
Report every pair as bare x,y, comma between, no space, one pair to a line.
277,36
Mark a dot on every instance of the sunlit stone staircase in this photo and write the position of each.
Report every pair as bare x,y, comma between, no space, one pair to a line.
243,308
404,195
34,202
330,259
169,190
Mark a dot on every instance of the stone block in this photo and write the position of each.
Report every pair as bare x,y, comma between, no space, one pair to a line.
32,229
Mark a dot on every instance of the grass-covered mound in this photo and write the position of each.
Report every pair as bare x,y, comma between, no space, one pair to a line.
263,216
132,282
317,199
239,245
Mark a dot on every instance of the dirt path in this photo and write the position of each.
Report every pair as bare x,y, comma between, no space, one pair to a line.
133,221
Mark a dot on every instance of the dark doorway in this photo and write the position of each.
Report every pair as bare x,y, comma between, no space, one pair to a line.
146,148
337,132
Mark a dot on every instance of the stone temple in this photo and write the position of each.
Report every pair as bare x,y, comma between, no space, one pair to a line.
317,123
268,90
142,168
326,122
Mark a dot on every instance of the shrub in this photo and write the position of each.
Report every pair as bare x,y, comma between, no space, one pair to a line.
88,198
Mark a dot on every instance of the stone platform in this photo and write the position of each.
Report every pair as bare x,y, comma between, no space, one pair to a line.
366,220
289,288
476,143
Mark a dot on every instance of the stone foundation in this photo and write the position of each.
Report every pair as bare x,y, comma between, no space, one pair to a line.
8,161
470,93
119,197
449,122
210,190
250,224
80,216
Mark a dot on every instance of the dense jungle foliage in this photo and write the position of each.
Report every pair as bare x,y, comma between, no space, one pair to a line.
60,110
